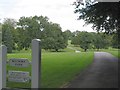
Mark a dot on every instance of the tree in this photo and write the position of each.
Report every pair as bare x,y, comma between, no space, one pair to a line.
75,41
39,27
84,39
115,42
100,41
68,34
29,28
75,38
103,15
54,37
7,37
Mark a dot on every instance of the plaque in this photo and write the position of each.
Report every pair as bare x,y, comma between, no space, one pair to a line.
18,76
19,62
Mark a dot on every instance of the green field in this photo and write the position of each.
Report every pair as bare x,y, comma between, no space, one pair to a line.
57,68
114,52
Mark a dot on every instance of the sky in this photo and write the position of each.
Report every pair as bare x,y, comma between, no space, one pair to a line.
58,11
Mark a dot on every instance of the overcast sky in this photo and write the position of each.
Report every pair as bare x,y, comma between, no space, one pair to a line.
58,11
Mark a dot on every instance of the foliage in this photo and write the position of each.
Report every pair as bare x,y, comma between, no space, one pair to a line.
68,34
18,35
101,41
54,38
85,40
28,29
7,37
115,41
103,15
75,41
88,40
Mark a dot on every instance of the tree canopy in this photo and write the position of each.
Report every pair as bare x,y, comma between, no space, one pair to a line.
18,35
89,40
7,37
103,15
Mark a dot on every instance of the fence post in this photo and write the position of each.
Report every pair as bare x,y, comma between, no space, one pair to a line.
0,67
36,63
4,60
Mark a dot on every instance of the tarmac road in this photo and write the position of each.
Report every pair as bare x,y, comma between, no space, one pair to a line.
103,73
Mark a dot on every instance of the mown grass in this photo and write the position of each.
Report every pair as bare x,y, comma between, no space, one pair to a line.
114,52
57,68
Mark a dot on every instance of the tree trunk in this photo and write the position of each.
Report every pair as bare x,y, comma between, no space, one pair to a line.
97,49
56,50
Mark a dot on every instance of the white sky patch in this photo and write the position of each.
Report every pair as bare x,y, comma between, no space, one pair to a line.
58,11
108,0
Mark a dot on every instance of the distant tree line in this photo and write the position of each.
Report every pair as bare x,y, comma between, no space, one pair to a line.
17,35
92,40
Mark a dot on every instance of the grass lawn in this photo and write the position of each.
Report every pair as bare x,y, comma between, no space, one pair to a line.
57,68
115,52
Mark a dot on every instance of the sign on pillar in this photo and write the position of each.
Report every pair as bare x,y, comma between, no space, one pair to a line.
36,63
22,76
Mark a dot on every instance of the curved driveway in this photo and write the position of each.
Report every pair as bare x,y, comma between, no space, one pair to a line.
103,73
